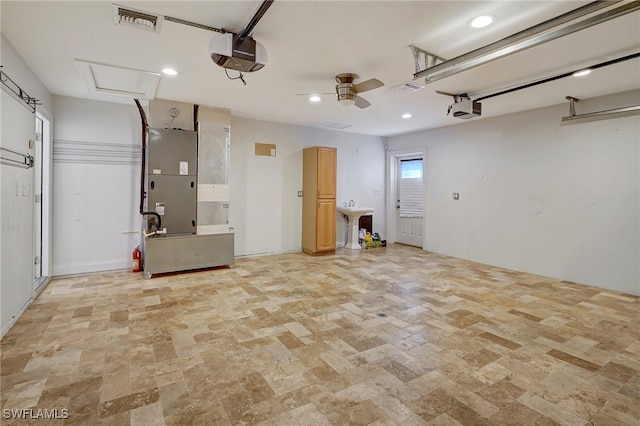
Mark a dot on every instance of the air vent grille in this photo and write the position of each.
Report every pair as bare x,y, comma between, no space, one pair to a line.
136,18
409,87
338,126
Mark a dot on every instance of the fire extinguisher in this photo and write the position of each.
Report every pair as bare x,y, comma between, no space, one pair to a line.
137,259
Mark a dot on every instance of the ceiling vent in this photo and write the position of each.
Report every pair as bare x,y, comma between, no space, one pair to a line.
136,18
408,87
339,126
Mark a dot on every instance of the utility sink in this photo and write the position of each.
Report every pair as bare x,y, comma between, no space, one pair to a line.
353,213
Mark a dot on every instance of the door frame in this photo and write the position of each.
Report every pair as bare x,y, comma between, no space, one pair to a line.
46,200
393,157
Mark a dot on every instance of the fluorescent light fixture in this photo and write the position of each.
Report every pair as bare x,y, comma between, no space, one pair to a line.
406,115
169,71
481,21
314,98
582,73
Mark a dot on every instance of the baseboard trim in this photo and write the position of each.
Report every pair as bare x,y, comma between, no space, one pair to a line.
16,317
89,267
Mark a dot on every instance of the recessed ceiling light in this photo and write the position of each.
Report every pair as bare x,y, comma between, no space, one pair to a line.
314,98
169,71
407,115
582,72
481,21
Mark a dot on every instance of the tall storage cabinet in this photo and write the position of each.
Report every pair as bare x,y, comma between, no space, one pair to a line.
319,200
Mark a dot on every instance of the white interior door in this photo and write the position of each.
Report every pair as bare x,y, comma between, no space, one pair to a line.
42,200
410,201
37,206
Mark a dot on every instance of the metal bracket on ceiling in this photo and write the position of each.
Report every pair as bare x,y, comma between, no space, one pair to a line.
572,105
573,118
421,57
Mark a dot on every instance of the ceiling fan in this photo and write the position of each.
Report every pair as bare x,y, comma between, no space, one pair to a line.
348,89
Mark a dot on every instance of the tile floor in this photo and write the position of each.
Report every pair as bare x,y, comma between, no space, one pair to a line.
393,336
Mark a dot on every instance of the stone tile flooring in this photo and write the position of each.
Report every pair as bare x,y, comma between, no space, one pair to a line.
393,336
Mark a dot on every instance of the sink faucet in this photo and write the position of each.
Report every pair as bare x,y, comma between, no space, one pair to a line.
352,203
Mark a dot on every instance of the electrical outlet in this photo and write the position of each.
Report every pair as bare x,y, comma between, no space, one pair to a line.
456,196
299,193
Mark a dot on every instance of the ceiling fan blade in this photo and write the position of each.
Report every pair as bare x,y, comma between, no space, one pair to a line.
362,103
370,84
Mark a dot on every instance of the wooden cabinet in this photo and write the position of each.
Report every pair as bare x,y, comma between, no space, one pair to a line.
326,172
326,225
319,200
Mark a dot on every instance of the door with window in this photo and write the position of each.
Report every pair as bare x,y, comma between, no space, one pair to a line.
410,201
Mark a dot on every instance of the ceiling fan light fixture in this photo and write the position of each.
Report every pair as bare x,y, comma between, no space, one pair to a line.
348,91
347,101
345,96
481,21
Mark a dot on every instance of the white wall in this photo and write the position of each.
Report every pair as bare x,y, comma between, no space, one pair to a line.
96,175
19,71
17,205
538,197
265,208
94,203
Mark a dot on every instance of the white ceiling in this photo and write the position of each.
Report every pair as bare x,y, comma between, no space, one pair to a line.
309,42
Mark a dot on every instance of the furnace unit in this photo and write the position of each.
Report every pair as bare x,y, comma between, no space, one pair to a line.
172,171
174,201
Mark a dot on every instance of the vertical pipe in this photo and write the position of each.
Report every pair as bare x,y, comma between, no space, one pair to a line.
143,118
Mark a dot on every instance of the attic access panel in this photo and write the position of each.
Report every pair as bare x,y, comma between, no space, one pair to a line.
119,81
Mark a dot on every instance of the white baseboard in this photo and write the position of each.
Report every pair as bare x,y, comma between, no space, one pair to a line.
16,317
87,267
